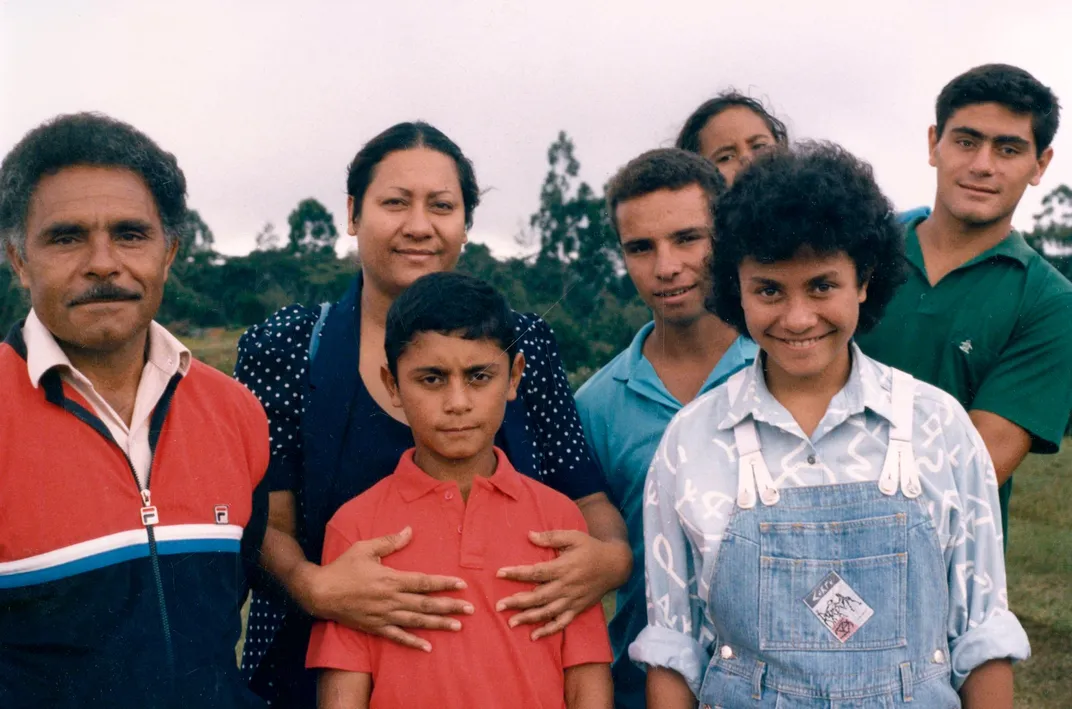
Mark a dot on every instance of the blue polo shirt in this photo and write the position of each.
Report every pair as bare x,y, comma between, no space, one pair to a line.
624,409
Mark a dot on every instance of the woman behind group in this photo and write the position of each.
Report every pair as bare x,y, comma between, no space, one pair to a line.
730,130
411,199
797,554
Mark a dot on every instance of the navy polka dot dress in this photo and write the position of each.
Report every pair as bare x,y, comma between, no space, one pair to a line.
273,361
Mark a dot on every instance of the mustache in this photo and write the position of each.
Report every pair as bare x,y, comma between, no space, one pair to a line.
103,293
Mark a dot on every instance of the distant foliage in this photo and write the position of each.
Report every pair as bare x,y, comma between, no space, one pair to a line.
575,280
194,237
267,239
1052,235
312,229
14,302
217,291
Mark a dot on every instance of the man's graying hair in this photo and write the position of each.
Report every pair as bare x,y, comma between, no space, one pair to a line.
86,139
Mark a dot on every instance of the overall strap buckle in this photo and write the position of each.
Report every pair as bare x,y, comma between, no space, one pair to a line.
899,470
753,476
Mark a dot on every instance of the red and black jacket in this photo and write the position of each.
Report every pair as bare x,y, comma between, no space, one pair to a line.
111,595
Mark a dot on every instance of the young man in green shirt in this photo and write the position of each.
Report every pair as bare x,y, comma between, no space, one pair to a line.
983,315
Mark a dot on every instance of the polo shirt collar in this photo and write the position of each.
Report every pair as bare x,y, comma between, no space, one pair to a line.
868,387
637,373
625,369
414,482
43,353
1011,247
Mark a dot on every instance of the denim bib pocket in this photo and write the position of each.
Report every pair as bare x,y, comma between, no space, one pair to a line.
797,561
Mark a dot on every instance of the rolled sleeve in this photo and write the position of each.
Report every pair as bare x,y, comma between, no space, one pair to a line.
658,646
999,637
676,612
980,626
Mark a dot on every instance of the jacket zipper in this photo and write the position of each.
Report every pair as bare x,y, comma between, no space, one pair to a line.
150,518
53,388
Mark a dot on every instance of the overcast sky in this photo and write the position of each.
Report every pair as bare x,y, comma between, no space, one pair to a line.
265,103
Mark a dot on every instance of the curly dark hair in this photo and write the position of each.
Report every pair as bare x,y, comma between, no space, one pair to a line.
87,139
689,137
815,196
662,169
1008,86
405,136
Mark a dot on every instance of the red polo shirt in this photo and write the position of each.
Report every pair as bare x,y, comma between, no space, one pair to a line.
487,663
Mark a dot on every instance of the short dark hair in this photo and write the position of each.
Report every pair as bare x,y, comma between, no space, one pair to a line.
663,168
91,139
449,303
814,196
1006,85
405,136
689,137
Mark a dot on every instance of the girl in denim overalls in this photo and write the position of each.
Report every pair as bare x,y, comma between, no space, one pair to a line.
821,530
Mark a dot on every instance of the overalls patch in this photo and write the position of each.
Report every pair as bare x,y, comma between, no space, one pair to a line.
838,607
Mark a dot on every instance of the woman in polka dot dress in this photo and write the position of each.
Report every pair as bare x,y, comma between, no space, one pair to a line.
334,434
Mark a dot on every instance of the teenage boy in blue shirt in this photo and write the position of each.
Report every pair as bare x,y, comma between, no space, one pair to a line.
661,204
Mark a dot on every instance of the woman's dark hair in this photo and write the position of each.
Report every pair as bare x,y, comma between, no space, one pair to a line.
95,140
689,137
405,136
816,197
663,169
449,303
1008,86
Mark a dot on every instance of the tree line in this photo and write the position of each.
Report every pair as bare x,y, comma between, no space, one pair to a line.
574,276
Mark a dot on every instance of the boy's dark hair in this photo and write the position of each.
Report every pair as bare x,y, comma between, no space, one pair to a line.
94,140
405,136
664,168
451,304
1008,86
813,196
689,137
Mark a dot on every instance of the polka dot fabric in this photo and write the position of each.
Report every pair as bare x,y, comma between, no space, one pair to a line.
273,361
553,419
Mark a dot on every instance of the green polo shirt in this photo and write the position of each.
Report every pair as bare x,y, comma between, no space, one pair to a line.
996,333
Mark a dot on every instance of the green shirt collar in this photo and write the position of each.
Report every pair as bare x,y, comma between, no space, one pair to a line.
1012,247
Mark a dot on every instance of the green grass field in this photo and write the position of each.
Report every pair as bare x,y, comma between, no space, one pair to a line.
1040,577
1039,559
215,346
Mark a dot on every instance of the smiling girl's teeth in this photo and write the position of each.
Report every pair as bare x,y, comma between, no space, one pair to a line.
802,343
671,293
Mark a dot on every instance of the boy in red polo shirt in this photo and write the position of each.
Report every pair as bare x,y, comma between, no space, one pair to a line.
452,365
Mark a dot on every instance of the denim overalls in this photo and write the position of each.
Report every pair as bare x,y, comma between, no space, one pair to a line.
832,596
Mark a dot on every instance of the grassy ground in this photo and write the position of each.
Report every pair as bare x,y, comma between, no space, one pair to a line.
1039,559
1040,577
215,346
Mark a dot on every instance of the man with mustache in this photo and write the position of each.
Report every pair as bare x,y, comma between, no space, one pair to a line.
982,315
129,472
662,206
